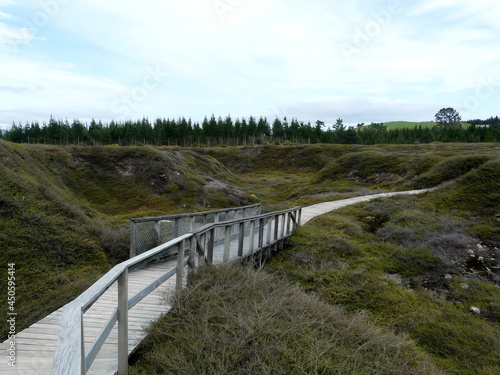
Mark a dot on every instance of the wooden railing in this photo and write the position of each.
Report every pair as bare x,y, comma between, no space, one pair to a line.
149,232
251,236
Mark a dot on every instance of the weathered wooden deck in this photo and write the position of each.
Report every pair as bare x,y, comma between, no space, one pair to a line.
36,345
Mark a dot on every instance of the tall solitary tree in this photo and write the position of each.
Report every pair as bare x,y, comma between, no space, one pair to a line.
448,117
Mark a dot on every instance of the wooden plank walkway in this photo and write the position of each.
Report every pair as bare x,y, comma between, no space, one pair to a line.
35,346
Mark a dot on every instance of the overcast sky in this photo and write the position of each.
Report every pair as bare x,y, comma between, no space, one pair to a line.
360,60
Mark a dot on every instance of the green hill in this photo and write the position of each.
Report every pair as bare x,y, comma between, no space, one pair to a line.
408,124
411,124
64,211
412,264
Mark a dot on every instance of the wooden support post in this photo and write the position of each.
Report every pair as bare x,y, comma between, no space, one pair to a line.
200,250
191,223
180,266
241,238
123,323
276,229
294,216
192,251
82,346
227,243
252,237
269,230
288,219
216,220
210,250
283,235
261,234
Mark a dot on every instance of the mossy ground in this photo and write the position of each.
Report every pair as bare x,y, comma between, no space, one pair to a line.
404,261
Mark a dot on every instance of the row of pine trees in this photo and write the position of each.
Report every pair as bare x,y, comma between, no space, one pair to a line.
240,132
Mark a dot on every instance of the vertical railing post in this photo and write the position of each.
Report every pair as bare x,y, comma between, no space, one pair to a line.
227,243
261,234
252,237
288,220
276,229
123,323
210,250
180,265
204,242
191,223
216,232
299,221
283,234
192,251
269,229
82,346
241,238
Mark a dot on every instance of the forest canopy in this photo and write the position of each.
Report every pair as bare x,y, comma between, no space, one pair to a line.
240,132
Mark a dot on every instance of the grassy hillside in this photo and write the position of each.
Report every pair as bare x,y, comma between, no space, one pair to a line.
64,211
408,124
424,267
415,265
411,124
285,176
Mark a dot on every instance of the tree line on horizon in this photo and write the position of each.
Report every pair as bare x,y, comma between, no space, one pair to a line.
240,132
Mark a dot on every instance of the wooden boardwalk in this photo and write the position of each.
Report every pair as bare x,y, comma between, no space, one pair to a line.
36,345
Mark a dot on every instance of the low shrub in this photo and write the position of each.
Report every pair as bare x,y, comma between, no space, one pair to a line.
448,169
413,262
235,320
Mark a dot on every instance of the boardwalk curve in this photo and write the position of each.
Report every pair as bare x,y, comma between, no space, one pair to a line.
51,345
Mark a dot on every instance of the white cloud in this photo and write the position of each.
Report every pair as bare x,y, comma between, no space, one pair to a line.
14,35
257,57
5,16
361,109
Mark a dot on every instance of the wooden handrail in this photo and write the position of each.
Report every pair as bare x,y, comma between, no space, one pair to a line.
194,214
135,245
71,356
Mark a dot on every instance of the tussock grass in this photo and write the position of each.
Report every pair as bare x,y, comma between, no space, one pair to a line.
234,320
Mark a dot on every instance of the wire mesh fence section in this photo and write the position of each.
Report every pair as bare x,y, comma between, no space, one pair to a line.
147,233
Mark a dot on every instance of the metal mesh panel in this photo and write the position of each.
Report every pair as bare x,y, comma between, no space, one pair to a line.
145,236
